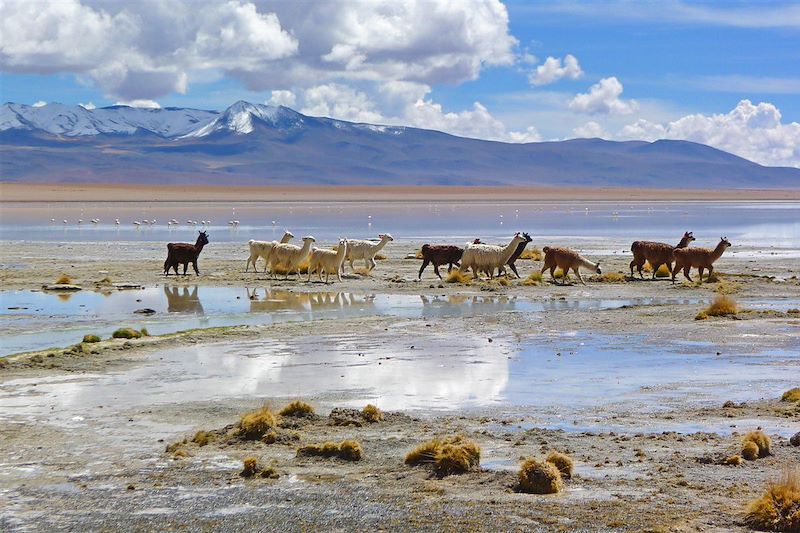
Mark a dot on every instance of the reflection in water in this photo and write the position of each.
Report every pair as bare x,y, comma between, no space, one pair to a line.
275,300
64,296
183,300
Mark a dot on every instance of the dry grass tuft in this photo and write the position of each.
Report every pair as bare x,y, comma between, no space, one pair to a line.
715,277
558,274
750,450
794,311
702,315
282,269
371,413
91,338
539,477
349,450
251,468
253,425
535,278
610,277
106,280
201,438
503,281
561,461
722,306
270,473
662,272
791,395
126,333
733,460
761,440
454,454
380,257
728,287
456,276
778,509
63,279
144,332
297,408
534,254
419,255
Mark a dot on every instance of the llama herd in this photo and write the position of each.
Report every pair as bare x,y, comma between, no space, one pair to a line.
481,258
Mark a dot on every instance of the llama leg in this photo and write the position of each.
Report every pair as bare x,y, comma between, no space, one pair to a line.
436,270
422,268
194,264
655,269
700,272
632,264
686,271
514,268
578,273
552,273
710,271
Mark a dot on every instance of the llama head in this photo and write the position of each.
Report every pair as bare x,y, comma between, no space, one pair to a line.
202,238
725,242
597,268
309,238
287,233
688,236
526,237
385,237
477,241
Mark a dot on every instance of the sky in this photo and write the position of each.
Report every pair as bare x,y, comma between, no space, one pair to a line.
725,74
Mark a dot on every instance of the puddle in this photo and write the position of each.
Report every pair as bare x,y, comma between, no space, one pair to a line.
594,377
67,317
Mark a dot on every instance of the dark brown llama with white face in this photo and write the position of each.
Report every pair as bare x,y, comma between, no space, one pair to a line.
184,253
656,253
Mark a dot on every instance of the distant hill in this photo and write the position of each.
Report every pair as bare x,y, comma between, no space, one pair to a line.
251,144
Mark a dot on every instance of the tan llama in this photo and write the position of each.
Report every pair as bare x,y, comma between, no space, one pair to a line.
700,258
566,259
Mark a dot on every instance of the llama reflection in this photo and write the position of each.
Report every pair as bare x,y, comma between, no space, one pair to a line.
183,300
280,300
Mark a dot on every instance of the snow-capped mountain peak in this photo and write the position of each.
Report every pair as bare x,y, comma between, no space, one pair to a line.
240,118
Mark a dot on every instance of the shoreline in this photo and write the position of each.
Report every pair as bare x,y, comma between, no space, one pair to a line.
96,192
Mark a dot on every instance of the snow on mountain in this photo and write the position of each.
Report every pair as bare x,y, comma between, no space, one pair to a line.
240,117
75,121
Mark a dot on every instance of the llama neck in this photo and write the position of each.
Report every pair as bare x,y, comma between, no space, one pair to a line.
587,264
717,253
340,251
198,246
510,249
306,248
684,243
381,245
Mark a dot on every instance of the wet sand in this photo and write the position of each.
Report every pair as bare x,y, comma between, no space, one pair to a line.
69,460
87,193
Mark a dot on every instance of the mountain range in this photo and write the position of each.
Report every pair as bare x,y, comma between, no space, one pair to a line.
253,144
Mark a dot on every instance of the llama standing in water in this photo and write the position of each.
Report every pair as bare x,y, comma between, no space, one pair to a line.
701,258
566,259
184,253
656,253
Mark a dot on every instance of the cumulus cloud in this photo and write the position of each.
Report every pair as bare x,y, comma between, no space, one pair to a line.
591,130
340,101
603,98
553,70
283,97
88,106
751,131
144,50
39,103
145,104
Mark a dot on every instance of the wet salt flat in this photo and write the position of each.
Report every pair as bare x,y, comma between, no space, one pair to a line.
760,224
67,316
568,377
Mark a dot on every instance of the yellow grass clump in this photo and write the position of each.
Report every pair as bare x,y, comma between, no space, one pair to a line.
702,315
380,257
201,438
732,460
793,311
791,395
454,454
250,467
722,306
539,477
297,408
761,440
253,425
558,274
534,254
144,332
63,279
503,281
610,277
535,278
561,461
418,255
91,338
106,280
456,276
727,287
349,450
126,333
750,450
371,413
282,269
778,509
662,272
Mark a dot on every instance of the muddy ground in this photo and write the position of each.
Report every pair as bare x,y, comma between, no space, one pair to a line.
106,468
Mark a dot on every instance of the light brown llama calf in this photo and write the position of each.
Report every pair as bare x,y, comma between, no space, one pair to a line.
656,253
566,259
700,258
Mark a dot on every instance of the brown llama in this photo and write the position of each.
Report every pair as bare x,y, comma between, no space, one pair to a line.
656,253
700,258
438,255
566,259
184,253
